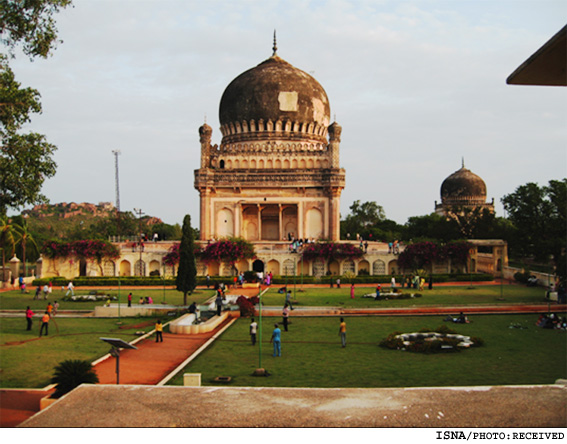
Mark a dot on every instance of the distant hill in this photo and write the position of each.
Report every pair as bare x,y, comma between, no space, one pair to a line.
72,220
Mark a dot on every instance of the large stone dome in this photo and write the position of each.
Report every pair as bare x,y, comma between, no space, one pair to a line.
463,187
274,96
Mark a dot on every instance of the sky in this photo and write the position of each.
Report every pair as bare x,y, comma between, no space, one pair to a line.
417,86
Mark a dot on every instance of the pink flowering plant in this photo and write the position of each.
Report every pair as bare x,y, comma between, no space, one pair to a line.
81,249
229,250
171,258
331,251
424,254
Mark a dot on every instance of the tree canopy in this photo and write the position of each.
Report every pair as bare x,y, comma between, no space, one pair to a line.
26,159
539,214
186,273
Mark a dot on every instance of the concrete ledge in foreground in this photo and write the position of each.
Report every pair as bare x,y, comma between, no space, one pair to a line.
465,407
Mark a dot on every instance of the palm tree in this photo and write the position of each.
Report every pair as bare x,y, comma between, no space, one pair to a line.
70,374
6,241
23,236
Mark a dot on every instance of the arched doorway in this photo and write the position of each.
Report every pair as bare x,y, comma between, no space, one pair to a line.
258,266
82,267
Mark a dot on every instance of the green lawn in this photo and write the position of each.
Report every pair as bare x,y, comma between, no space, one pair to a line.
28,362
313,357
15,300
446,295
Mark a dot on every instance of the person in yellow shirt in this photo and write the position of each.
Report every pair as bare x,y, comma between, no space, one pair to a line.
342,332
159,331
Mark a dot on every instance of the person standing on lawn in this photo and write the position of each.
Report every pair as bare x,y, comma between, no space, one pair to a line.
29,316
44,324
352,291
285,314
159,331
129,299
276,339
288,299
253,330
342,332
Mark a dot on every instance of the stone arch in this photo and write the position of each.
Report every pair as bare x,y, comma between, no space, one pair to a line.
261,164
318,267
334,268
288,267
286,164
348,266
253,164
225,223
213,268
378,267
269,164
314,223
221,164
154,265
229,164
140,268
242,265
364,266
393,267
125,268
278,164
309,163
236,164
108,268
274,267
82,267
302,164
294,164
258,266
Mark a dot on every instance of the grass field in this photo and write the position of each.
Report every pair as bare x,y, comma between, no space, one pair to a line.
312,353
313,357
439,295
28,361
15,300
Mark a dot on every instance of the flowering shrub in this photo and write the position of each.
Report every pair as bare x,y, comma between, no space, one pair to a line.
331,251
247,305
172,256
227,250
82,249
424,254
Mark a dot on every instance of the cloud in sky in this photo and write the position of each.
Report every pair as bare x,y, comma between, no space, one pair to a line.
416,86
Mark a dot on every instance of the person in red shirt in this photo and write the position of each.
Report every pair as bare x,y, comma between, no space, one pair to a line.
29,315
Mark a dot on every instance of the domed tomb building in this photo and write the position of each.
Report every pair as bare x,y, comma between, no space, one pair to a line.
463,190
276,174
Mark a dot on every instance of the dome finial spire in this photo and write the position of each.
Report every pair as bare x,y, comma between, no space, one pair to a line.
463,161
275,47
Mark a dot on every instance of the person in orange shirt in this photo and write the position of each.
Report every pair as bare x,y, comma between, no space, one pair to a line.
159,331
49,309
44,323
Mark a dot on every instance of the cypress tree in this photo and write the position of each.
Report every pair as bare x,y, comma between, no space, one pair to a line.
187,272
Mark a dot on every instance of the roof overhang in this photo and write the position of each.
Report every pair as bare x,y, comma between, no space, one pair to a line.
546,67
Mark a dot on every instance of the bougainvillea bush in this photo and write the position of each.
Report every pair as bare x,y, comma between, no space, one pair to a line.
247,305
331,251
82,249
230,250
424,254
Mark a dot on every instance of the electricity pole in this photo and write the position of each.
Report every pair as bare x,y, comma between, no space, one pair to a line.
116,154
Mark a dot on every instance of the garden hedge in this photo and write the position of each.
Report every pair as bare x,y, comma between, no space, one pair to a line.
93,281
